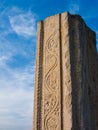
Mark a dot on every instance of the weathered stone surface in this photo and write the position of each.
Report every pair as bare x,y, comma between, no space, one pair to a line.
66,91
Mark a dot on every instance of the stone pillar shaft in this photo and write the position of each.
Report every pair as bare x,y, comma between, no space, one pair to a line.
66,93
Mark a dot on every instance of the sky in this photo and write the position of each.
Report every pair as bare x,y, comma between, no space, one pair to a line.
18,32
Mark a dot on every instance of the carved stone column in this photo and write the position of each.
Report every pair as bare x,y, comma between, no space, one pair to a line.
66,93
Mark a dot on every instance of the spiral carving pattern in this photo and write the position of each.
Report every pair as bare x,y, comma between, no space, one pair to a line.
51,101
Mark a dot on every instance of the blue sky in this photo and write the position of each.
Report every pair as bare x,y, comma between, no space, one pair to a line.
18,25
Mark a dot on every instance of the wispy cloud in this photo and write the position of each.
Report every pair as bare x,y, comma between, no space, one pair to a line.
16,83
16,104
16,97
73,8
23,24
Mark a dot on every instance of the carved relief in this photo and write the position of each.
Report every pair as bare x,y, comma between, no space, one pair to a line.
51,75
52,43
60,81
51,101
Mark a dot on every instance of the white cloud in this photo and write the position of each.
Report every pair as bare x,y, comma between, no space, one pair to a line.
16,98
16,109
23,24
16,84
74,8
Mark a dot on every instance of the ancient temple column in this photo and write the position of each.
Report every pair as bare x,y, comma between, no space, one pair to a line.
66,91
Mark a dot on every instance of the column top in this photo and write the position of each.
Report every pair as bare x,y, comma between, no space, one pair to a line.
67,14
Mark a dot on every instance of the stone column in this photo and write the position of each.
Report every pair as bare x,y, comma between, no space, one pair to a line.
66,93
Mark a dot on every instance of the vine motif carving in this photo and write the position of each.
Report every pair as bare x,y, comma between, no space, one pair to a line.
51,77
51,101
51,44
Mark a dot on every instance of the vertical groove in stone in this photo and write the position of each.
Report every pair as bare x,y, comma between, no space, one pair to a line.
39,100
35,120
40,75
61,75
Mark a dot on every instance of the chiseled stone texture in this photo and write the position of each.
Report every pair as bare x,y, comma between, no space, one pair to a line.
66,91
